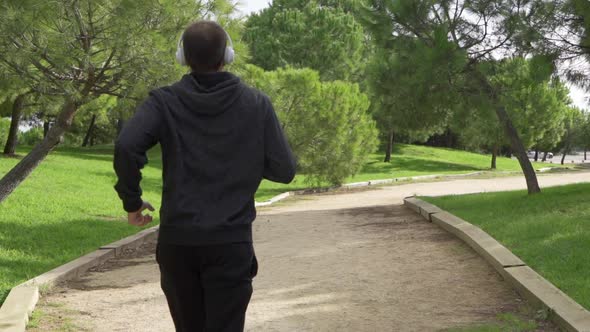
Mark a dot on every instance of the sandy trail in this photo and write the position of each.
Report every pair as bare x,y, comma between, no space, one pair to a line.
340,262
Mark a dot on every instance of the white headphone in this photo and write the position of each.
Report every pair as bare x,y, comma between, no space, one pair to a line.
228,57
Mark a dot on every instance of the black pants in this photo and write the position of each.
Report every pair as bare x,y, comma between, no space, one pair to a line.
208,288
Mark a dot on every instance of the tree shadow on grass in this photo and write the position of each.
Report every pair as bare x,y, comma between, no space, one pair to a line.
154,185
106,155
416,165
148,184
85,156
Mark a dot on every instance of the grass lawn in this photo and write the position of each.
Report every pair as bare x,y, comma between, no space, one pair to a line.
68,207
413,160
506,322
549,231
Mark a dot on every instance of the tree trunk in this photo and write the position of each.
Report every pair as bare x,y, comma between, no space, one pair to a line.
89,131
494,156
536,155
519,151
389,148
17,111
565,151
512,134
54,136
45,128
585,153
449,139
545,157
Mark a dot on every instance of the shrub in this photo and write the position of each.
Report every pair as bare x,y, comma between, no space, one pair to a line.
327,123
31,136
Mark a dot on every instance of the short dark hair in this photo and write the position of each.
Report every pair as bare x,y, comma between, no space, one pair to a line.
204,45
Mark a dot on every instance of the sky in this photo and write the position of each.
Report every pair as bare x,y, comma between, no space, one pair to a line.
249,6
578,96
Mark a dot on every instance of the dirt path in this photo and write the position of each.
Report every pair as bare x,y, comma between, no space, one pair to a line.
346,262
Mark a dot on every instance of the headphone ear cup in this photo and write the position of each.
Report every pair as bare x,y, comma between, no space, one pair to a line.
229,56
180,56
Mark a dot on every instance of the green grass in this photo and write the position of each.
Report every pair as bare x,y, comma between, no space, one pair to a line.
54,316
507,322
68,207
413,160
549,231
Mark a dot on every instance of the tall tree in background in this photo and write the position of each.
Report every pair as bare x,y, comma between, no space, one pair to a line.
536,102
305,34
574,127
564,26
13,98
91,119
478,128
471,36
82,49
411,91
349,6
17,109
585,135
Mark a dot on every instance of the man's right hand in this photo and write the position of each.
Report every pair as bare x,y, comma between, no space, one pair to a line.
137,218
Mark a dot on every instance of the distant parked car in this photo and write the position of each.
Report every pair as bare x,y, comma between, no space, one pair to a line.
531,155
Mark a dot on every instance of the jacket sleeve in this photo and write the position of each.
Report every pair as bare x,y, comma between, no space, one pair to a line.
139,134
279,163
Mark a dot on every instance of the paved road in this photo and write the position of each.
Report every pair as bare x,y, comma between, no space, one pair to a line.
569,159
341,262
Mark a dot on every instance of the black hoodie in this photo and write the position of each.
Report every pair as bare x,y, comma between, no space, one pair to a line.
219,138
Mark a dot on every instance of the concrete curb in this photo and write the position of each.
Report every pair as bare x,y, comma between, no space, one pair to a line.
563,310
274,199
421,207
413,203
133,241
486,246
71,269
15,312
22,299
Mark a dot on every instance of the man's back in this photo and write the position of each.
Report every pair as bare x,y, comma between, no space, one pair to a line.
219,138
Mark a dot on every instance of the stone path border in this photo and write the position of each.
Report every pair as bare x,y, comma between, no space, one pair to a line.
22,299
540,293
